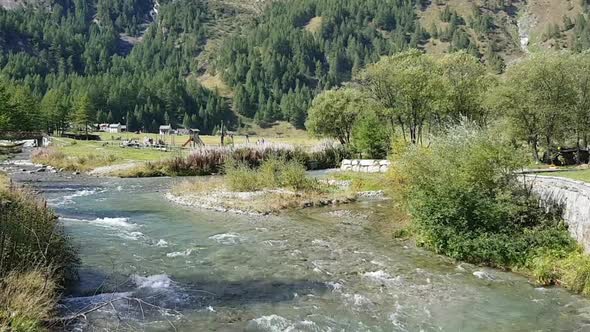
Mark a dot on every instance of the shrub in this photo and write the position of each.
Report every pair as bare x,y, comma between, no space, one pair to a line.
240,177
272,173
210,159
466,203
35,259
370,136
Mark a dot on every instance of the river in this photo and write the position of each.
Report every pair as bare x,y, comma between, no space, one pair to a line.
325,269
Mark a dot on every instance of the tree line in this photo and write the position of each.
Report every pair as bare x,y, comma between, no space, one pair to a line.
542,102
74,50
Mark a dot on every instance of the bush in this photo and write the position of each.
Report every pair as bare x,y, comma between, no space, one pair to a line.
211,159
272,174
240,177
370,136
466,203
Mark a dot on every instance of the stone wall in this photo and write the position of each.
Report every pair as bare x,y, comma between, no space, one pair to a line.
575,197
365,165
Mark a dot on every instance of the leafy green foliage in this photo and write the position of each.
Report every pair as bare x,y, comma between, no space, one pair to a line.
417,90
466,203
333,113
546,99
370,136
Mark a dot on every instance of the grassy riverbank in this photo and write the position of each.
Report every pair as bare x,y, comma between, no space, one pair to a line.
579,175
83,156
209,160
465,203
275,186
35,260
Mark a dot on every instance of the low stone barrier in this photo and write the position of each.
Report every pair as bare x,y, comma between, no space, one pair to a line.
575,197
365,165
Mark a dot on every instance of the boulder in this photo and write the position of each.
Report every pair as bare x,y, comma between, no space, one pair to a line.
367,162
346,167
373,169
346,162
384,162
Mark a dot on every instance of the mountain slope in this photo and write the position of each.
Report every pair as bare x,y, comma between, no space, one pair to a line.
193,62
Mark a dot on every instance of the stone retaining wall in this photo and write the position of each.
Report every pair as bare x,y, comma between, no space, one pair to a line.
575,197
365,165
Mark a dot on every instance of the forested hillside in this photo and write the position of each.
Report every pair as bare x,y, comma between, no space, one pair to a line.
70,51
142,62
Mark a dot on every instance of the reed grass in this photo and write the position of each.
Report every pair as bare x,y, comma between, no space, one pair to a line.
35,258
59,160
209,160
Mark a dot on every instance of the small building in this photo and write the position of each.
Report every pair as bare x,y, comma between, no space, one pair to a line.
165,129
114,128
103,127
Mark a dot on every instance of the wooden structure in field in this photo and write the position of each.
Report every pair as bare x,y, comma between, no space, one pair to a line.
194,139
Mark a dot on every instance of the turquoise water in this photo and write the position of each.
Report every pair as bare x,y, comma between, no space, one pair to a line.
325,269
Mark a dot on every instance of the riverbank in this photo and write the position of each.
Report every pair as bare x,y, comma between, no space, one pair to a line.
36,259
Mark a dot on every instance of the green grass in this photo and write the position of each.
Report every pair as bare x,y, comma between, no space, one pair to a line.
363,181
279,132
580,175
74,148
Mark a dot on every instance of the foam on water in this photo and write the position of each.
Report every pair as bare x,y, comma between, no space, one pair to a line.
134,236
335,286
227,238
161,243
381,277
179,253
113,222
69,199
358,301
483,275
158,281
276,323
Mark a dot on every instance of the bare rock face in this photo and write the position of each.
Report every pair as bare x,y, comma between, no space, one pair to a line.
575,197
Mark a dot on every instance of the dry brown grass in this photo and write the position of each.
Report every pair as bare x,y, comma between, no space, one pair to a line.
26,299
200,185
59,160
275,202
215,83
315,24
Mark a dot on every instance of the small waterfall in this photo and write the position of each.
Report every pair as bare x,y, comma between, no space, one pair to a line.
525,22
575,197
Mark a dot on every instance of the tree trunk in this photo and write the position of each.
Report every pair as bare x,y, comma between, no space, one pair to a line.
535,149
549,150
578,152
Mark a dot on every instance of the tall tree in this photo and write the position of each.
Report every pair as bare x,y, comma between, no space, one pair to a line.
334,113
408,85
83,112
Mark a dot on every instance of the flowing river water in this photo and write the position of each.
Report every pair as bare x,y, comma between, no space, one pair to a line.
325,269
